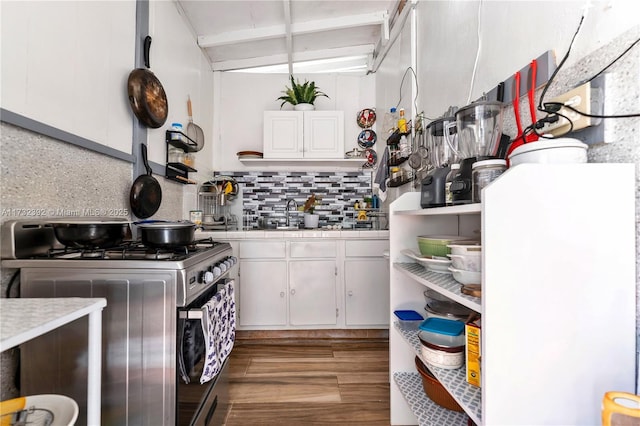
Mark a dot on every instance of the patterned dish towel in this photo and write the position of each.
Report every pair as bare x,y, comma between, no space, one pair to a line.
219,328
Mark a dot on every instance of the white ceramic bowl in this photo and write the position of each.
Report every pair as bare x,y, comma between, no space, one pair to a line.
561,150
465,248
64,409
467,262
466,277
432,263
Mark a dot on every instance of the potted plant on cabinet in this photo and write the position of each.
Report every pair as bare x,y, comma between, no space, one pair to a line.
310,218
301,96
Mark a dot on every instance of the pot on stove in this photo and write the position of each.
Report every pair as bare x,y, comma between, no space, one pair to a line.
91,234
164,234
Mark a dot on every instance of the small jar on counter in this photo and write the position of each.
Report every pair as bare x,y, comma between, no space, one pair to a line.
483,173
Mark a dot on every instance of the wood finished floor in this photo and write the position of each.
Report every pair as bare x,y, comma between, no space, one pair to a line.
309,382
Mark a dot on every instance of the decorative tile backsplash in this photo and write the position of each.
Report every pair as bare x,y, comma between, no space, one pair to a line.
265,195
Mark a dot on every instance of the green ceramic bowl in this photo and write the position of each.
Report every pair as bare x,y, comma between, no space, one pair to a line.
436,245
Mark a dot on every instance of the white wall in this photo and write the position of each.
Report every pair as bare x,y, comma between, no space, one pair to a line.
512,33
392,91
66,64
241,98
183,70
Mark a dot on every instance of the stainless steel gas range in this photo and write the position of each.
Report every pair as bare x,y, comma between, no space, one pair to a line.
154,345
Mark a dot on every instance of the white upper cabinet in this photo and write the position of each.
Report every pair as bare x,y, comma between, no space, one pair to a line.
303,134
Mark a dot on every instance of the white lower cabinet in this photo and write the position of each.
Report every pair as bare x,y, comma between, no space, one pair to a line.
558,297
313,283
312,293
366,279
263,293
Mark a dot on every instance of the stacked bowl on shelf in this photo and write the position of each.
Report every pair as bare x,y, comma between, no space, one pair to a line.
442,345
438,245
442,341
466,262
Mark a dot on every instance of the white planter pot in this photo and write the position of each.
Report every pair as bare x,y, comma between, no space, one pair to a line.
304,107
311,220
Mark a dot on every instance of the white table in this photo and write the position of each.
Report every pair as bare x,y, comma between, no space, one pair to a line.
24,319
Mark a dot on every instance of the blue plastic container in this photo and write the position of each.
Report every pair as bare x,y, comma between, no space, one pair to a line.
442,326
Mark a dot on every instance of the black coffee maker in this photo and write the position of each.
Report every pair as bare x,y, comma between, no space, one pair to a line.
441,143
479,127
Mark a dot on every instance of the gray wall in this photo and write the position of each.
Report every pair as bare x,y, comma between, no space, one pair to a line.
622,96
41,174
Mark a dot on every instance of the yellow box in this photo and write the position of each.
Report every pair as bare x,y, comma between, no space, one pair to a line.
472,353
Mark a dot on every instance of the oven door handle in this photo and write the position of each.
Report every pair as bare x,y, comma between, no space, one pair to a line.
193,314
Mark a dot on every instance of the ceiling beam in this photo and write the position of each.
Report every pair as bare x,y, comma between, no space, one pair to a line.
278,31
288,36
382,48
365,49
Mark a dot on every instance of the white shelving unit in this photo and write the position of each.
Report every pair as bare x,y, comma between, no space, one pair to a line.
558,304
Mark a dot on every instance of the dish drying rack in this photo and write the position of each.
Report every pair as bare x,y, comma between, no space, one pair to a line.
214,197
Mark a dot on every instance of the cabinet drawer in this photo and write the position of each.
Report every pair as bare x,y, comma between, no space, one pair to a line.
366,248
314,249
262,250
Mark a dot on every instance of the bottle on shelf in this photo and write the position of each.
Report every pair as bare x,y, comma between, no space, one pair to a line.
390,121
176,155
404,147
375,202
402,122
176,127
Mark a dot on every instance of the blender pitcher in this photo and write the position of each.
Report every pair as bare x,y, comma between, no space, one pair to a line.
479,129
441,141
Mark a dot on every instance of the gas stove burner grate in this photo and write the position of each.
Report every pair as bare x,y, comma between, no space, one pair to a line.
71,253
134,250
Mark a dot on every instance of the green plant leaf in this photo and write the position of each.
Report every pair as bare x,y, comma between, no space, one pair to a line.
306,92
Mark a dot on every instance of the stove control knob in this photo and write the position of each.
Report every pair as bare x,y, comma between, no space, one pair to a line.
227,263
234,259
208,277
222,266
217,272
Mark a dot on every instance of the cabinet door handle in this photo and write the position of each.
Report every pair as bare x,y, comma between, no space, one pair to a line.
350,293
282,294
293,291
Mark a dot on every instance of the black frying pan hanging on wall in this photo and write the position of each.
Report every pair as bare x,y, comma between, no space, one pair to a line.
147,97
146,193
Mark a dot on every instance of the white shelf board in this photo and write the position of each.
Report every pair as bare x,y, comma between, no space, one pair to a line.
426,411
455,381
443,283
474,208
333,162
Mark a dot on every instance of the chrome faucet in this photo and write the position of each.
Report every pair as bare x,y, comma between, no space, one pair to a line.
295,206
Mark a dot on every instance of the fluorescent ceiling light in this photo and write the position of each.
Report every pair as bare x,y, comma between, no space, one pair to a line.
349,64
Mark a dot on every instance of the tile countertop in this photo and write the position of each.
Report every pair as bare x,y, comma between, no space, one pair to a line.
24,319
302,233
